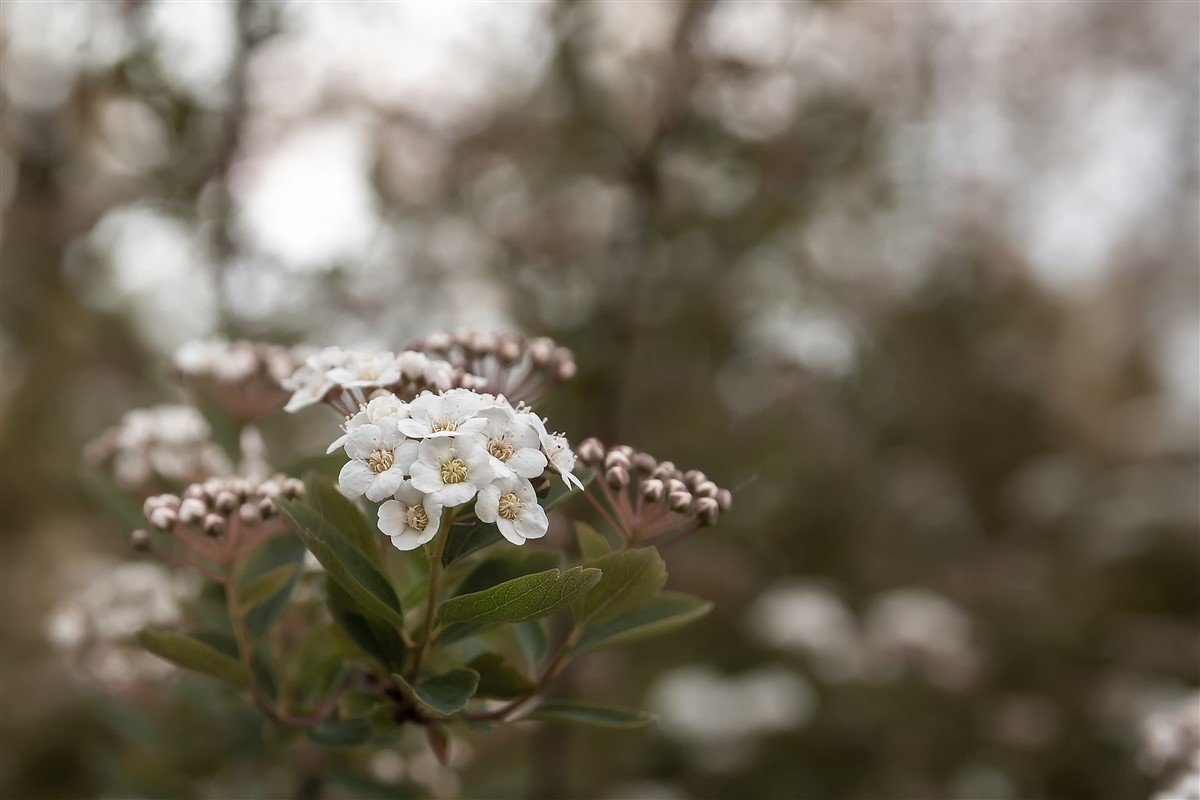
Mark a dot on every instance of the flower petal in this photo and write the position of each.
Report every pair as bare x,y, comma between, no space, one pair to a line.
528,463
354,478
532,522
363,441
426,478
392,518
385,484
455,494
509,531
487,507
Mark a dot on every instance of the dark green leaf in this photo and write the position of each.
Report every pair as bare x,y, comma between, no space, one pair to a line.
532,635
342,513
196,655
266,586
376,638
445,693
559,491
591,543
357,703
509,564
343,562
276,552
630,578
464,539
341,733
661,614
498,678
587,714
526,597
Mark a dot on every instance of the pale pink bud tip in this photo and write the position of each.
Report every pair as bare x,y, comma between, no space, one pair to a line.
214,524
617,477
679,501
653,490
707,510
139,540
724,499
591,451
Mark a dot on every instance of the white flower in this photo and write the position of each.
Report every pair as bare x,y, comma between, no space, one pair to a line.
366,369
558,451
380,457
512,504
310,382
512,443
449,413
384,406
452,468
411,519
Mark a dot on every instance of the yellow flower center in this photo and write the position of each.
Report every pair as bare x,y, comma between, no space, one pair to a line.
454,470
444,424
500,448
416,518
380,461
510,506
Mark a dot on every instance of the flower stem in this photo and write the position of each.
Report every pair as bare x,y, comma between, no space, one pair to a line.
435,588
557,664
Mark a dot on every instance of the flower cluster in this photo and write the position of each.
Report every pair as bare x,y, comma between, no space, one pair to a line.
93,625
648,501
222,519
346,378
243,378
508,364
444,450
171,442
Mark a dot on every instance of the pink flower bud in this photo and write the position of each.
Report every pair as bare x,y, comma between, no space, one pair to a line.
705,489
226,501
617,477
214,524
679,501
249,514
724,499
616,458
707,510
139,540
653,490
591,452
162,518
192,510
644,463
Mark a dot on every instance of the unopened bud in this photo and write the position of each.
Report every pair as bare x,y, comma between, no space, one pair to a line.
192,510
591,451
541,350
724,499
139,540
565,371
664,471
162,518
436,341
193,492
644,463
707,510
675,486
705,489
616,458
249,514
679,501
214,524
266,508
653,490
617,477
293,487
693,477
508,350
226,501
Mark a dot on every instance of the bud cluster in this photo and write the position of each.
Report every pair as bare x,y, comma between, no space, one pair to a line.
150,445
652,501
520,369
221,519
243,378
346,379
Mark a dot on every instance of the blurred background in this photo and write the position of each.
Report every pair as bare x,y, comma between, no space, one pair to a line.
917,279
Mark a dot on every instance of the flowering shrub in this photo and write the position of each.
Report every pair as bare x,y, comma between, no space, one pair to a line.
400,583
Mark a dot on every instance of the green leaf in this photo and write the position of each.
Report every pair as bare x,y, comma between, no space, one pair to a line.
278,551
356,703
532,635
587,714
559,491
373,637
342,513
445,693
526,597
630,578
591,543
462,540
266,586
343,562
506,566
663,613
498,678
196,655
341,733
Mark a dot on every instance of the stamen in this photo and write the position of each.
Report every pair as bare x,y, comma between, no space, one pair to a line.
380,461
510,506
416,518
444,424
500,448
454,471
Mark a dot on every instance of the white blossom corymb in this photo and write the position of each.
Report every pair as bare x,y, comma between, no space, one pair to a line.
346,378
443,450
